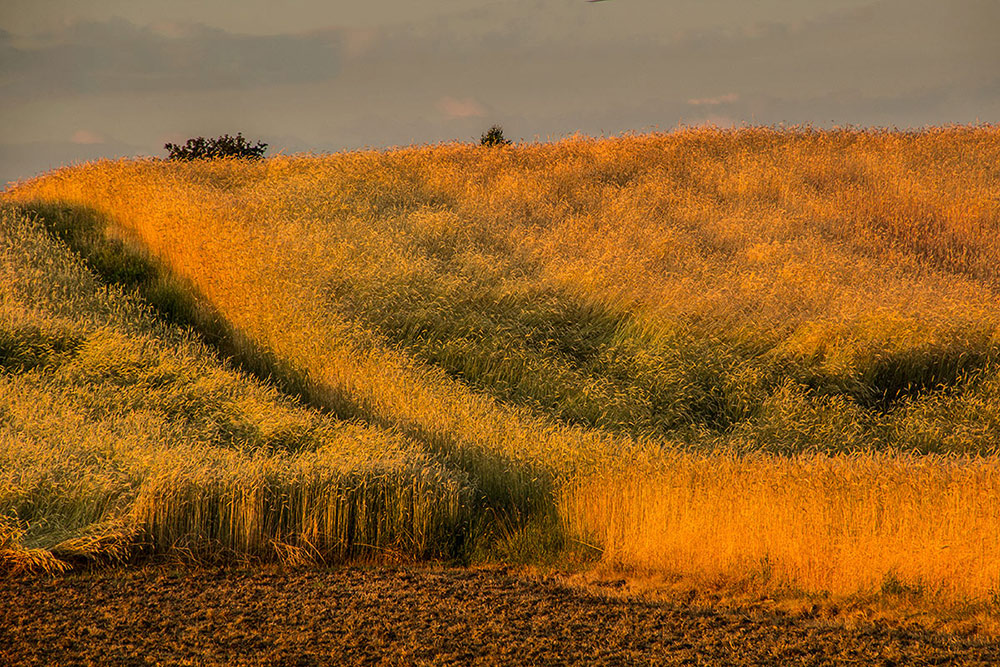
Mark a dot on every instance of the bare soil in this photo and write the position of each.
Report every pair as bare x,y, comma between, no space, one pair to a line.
419,615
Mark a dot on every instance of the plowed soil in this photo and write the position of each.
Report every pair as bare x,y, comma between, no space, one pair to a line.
418,615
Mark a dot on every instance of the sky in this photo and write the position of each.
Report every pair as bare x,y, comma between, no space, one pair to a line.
81,80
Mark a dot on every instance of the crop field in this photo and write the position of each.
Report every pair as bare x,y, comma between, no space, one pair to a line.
769,358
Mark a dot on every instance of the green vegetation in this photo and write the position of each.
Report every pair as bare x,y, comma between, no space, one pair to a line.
494,137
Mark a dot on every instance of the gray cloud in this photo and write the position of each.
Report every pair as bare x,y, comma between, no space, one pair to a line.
896,62
113,56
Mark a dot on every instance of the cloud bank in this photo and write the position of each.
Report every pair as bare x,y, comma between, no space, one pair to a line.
118,56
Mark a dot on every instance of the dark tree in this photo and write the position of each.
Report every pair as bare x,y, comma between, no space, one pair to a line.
494,137
220,147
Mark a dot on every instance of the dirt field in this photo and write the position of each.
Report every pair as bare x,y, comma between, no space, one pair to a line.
354,615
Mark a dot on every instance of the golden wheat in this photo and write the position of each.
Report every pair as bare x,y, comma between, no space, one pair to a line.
554,324
841,524
116,430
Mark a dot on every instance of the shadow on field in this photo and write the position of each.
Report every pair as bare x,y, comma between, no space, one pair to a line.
513,514
124,262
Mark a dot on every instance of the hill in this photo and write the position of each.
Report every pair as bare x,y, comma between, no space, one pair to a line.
758,355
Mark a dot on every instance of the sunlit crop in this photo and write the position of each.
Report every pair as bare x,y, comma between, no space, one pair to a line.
723,352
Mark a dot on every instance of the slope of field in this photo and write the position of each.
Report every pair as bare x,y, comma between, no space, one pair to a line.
756,355
121,432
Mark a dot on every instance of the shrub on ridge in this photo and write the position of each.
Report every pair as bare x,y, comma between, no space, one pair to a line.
220,147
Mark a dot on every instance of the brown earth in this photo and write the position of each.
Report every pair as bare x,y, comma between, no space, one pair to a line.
420,615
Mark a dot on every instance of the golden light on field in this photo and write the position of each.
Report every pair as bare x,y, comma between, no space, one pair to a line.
723,352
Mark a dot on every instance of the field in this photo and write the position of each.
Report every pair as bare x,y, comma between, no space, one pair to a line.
428,616
764,359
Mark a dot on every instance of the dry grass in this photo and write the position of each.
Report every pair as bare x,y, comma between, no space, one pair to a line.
707,350
119,432
843,524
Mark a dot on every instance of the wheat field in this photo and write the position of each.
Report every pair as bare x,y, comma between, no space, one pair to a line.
753,354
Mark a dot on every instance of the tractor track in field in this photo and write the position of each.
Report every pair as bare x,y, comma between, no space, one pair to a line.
171,615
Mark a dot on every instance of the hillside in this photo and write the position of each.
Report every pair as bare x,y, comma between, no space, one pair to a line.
115,423
754,354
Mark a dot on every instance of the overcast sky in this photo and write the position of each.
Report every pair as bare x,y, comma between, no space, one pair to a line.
81,80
